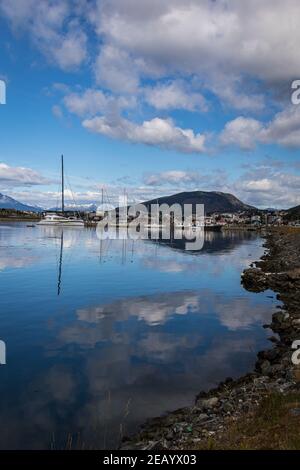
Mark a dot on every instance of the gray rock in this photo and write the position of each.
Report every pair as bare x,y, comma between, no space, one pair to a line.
210,402
202,417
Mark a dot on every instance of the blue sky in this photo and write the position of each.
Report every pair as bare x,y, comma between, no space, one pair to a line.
152,96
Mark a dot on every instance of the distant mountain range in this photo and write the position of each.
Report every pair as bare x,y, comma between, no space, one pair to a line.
213,201
7,202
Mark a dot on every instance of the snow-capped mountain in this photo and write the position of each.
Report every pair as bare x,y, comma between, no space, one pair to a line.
7,202
76,207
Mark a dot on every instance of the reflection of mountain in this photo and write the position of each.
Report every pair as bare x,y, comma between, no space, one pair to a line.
30,245
213,242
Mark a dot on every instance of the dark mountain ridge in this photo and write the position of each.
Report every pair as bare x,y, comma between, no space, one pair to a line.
293,213
214,201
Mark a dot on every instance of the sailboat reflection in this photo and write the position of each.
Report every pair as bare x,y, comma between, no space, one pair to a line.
154,252
64,238
60,263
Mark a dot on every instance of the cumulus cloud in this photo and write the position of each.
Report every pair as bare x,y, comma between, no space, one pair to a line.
20,176
159,132
94,101
258,185
173,177
233,92
205,38
169,55
175,55
283,129
265,186
116,70
52,26
89,103
242,132
153,38
174,95
68,50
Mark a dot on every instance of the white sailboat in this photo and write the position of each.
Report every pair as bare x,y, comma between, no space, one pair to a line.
55,219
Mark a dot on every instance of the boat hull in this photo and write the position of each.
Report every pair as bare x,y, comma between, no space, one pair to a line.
71,224
48,223
61,224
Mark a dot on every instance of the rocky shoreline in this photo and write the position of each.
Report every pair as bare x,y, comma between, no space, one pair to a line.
209,417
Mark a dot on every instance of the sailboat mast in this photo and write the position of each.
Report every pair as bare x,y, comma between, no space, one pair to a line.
62,185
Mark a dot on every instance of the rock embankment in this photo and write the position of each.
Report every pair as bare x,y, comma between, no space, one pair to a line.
278,270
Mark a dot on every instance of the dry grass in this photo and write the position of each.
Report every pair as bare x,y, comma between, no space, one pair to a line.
273,426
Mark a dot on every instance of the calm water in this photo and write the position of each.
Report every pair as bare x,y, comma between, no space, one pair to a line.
102,336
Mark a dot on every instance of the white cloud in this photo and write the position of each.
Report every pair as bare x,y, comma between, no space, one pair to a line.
115,69
186,48
52,27
258,185
92,102
171,177
283,129
174,95
20,176
69,50
265,186
219,43
159,132
242,132
234,93
205,38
